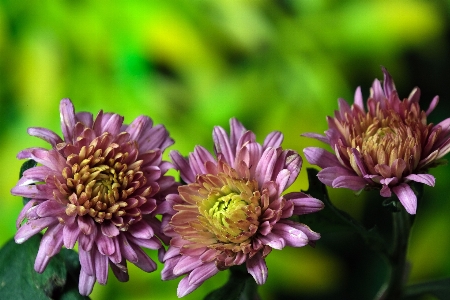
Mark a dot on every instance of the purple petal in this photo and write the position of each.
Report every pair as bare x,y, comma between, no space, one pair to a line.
45,134
41,261
222,145
186,264
292,236
328,175
137,126
23,212
433,105
105,245
31,227
101,268
109,229
86,241
256,266
200,274
143,262
34,175
50,208
86,283
67,115
85,118
198,159
358,99
320,157
141,230
264,169
182,164
407,197
71,232
126,249
317,136
303,203
388,83
422,178
167,271
120,271
29,191
354,183
273,139
184,287
236,132
87,261
155,138
385,191
86,224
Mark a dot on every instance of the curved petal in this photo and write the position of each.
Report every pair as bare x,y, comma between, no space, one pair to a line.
320,157
407,197
257,267
422,178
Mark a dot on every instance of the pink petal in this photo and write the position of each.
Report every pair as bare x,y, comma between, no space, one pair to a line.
422,178
67,114
433,105
354,183
105,245
388,83
23,212
320,157
31,227
45,134
50,208
256,266
109,229
187,264
407,197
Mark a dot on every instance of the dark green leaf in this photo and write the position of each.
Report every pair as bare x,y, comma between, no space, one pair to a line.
19,280
25,166
439,288
331,219
240,286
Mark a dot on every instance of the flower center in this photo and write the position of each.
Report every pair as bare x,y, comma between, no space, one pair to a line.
390,143
227,211
98,181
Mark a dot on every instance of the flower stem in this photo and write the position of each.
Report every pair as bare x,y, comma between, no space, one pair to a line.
393,288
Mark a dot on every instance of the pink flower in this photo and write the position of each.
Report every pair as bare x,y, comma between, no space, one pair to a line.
232,210
386,147
100,186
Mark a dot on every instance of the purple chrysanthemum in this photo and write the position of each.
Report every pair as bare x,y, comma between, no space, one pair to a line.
100,186
232,210
386,147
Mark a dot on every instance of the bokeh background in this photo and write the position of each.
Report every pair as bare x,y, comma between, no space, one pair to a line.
193,64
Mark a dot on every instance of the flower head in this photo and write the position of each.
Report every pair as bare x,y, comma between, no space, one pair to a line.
386,147
99,186
232,210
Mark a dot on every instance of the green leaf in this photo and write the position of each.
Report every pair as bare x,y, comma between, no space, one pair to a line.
240,286
439,288
331,219
19,280
25,166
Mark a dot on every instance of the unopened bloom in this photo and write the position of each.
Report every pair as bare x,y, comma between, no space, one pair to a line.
232,210
99,186
385,147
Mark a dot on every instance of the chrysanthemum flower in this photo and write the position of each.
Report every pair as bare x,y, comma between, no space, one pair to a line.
386,147
100,186
232,210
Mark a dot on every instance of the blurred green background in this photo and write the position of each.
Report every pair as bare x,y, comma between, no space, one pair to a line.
193,64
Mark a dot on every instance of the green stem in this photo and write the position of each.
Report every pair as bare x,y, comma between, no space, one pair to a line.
393,288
